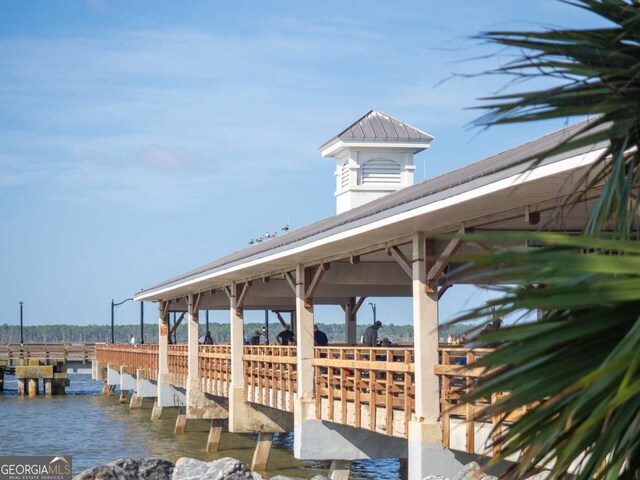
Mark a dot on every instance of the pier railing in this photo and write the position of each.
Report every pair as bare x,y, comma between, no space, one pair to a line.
132,357
461,429
178,360
270,376
365,387
68,352
214,365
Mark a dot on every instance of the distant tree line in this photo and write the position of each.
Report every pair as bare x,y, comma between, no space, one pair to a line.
219,332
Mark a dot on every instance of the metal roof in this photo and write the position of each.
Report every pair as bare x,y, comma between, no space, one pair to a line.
378,126
477,174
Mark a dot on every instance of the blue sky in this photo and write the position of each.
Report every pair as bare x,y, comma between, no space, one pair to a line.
141,139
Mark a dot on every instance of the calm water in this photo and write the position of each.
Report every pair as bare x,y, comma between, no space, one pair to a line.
96,429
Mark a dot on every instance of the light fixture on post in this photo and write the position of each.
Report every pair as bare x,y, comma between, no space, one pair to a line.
21,333
113,305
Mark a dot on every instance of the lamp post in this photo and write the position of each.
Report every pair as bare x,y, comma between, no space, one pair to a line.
113,305
141,322
373,307
21,335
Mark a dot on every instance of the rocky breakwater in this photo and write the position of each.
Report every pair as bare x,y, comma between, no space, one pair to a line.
184,469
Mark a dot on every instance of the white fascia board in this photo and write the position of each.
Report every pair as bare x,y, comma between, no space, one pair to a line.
561,166
333,149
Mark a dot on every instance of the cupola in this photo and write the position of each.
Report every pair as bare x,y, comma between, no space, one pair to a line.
374,157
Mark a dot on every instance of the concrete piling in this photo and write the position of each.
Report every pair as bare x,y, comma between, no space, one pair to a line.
181,424
215,433
262,451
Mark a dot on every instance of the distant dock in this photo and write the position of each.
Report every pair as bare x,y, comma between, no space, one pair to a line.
49,362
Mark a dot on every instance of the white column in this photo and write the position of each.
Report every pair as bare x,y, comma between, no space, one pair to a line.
192,338
425,328
194,391
426,454
237,340
163,341
164,396
304,336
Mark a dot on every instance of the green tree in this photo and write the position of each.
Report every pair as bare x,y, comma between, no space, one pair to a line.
578,367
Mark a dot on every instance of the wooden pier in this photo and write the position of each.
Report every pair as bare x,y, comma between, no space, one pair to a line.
42,367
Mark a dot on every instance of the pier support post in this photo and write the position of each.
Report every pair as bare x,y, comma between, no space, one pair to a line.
181,424
340,469
243,416
136,402
21,387
425,451
123,396
215,434
33,387
304,335
262,451
48,388
164,395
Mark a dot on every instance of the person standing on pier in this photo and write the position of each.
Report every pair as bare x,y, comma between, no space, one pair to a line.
319,337
255,340
285,335
132,339
370,337
207,339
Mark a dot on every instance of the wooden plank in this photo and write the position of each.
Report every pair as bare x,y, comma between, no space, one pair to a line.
364,364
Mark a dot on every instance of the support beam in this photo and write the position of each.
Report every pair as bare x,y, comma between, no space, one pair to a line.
440,264
280,319
340,470
425,434
313,285
243,294
164,396
262,452
243,416
425,325
350,322
401,258
304,335
215,434
177,323
288,276
193,333
199,404
181,424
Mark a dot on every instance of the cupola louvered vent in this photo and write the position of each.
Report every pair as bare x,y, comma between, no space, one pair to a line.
344,175
380,170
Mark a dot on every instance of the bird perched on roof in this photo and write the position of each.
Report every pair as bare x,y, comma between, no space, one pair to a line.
285,228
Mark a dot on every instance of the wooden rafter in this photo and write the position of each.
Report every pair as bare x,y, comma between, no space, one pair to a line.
165,311
282,322
402,260
228,292
243,294
196,303
440,264
444,289
317,278
177,323
288,276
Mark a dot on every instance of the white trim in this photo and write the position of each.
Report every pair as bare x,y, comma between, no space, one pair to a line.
418,146
571,163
